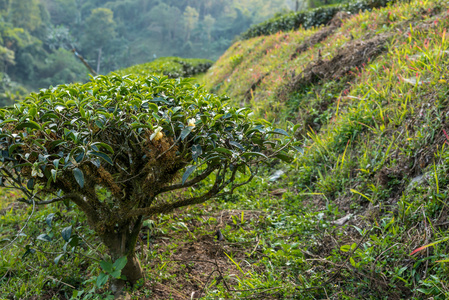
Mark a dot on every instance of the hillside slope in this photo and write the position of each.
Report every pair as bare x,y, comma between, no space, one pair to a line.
368,93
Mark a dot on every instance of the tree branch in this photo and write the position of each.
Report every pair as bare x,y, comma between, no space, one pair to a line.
67,196
189,183
273,154
168,207
234,186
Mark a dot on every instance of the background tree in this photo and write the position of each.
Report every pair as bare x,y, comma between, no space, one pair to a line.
99,30
33,31
25,14
208,23
120,147
191,17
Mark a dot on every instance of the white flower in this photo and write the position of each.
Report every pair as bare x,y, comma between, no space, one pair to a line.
36,171
157,134
191,122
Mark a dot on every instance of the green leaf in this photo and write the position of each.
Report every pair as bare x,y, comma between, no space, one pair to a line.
223,150
79,176
345,248
196,152
32,112
13,147
284,157
82,112
238,145
49,219
44,237
107,266
8,121
74,241
99,124
102,279
120,263
352,261
58,258
29,124
279,131
56,143
116,274
30,184
56,163
53,174
248,154
103,156
140,125
187,173
104,145
299,149
28,251
153,107
66,233
185,132
296,127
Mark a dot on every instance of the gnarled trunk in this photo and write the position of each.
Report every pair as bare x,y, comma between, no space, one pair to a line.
121,241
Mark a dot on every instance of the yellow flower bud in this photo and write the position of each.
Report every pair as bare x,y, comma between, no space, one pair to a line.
157,134
191,122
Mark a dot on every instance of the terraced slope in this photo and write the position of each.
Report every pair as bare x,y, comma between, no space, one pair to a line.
368,95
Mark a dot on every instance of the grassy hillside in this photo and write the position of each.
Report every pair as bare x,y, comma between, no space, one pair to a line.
367,95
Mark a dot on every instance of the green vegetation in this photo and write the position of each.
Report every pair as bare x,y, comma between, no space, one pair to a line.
371,183
173,67
114,148
37,36
310,18
360,213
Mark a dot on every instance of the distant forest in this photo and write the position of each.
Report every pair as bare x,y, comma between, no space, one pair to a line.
37,36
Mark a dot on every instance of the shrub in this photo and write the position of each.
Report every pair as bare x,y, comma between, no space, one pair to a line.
173,67
310,18
115,145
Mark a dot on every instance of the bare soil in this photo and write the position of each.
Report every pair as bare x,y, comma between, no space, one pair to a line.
354,55
195,264
321,35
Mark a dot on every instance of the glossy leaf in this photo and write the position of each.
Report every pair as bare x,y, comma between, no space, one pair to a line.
79,176
29,124
106,266
102,279
66,233
249,154
102,155
49,219
238,145
185,132
120,263
279,131
196,152
187,173
58,258
44,237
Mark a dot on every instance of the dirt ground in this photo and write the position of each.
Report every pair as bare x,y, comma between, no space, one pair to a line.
195,264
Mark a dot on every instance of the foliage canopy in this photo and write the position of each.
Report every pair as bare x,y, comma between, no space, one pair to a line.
130,136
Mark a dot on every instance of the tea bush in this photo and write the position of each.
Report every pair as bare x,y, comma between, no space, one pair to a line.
173,67
115,145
